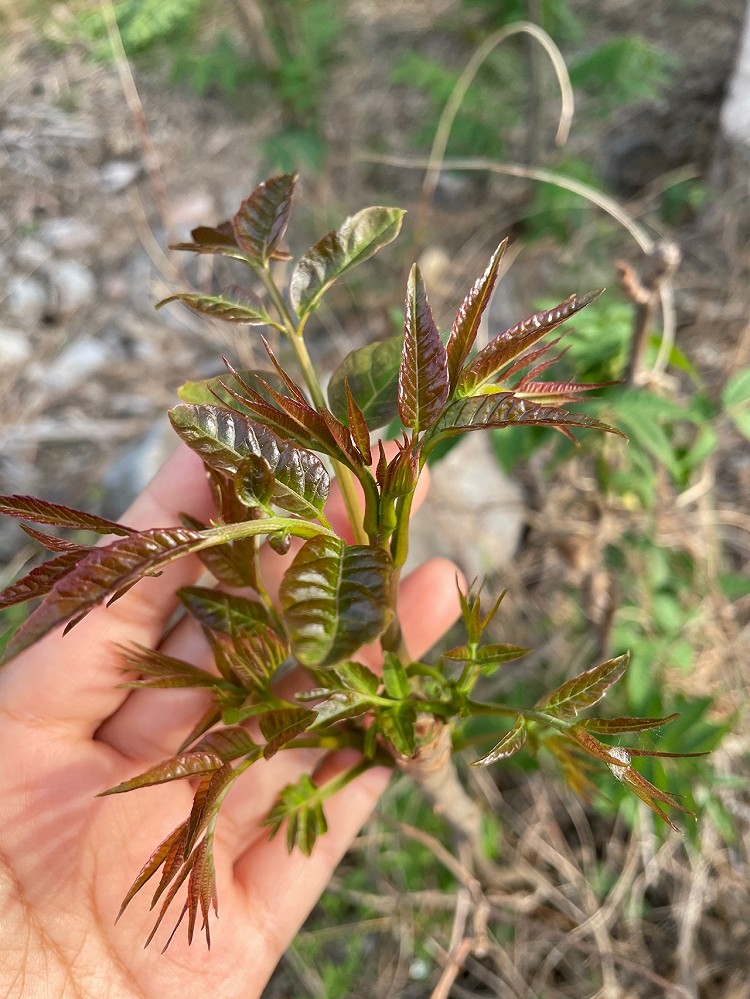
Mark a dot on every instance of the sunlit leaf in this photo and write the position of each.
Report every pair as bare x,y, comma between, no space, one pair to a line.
225,439
510,344
262,219
334,598
212,390
157,669
192,764
300,806
487,655
227,743
584,690
253,656
466,324
511,743
43,512
52,542
505,410
245,310
615,726
397,725
339,251
339,705
207,801
358,426
154,862
202,889
372,374
423,376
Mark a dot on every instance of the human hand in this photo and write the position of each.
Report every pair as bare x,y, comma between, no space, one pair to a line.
68,731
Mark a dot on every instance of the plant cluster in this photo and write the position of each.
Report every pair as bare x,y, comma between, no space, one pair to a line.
269,443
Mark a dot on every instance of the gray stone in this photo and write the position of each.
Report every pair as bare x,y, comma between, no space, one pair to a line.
27,299
32,253
76,362
473,513
74,285
15,348
116,175
69,235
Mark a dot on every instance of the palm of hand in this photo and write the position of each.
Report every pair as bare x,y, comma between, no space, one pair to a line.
68,732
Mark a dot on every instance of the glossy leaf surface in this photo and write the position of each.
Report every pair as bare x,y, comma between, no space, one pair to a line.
43,512
227,612
247,310
261,221
193,764
511,743
334,598
372,374
584,690
423,376
40,579
300,806
339,251
466,324
224,440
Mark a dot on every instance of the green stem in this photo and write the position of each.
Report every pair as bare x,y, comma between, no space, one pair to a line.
293,329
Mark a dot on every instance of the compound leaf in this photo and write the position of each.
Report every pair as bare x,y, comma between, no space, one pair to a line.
244,310
44,512
334,598
192,764
510,744
466,324
339,251
226,612
41,579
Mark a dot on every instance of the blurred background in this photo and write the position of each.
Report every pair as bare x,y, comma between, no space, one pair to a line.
609,141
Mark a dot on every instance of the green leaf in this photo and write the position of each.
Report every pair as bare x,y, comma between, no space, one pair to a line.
397,725
372,374
423,376
225,439
466,324
511,743
339,705
395,679
225,612
503,409
584,690
244,310
339,251
192,764
357,677
262,219
300,806
253,657
334,598
736,399
44,512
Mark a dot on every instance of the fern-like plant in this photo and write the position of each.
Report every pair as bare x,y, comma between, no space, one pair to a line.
269,442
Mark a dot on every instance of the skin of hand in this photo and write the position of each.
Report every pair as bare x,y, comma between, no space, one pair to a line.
68,731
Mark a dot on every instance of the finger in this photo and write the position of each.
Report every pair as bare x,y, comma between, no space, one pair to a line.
73,680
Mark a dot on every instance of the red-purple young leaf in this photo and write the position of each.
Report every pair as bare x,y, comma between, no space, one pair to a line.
180,767
282,725
314,426
343,438
372,374
228,743
220,235
584,690
402,472
615,726
207,802
503,409
262,219
207,720
507,346
486,654
423,376
466,324
286,380
41,579
43,512
154,862
555,393
211,390
358,426
270,415
225,440
52,542
250,657
202,889
157,669
334,598
181,874
227,612
255,483
339,251
510,744
529,358
105,573
245,311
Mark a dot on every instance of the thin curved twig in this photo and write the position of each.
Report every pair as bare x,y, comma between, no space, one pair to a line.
448,116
